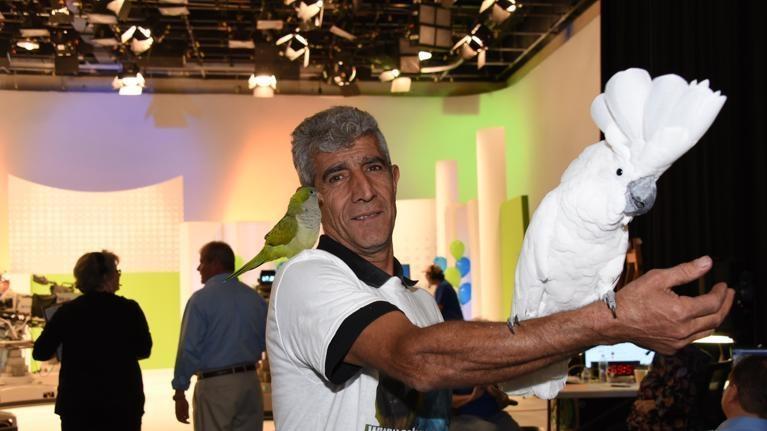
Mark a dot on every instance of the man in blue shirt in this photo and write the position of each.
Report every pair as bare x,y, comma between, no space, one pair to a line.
745,400
222,339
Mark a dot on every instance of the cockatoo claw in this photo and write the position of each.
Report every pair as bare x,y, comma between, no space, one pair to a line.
609,299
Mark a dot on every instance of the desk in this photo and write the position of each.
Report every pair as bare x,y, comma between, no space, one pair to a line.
577,391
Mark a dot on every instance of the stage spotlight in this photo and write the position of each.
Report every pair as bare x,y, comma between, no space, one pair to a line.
28,44
60,16
388,75
474,43
296,46
140,39
121,8
129,84
308,10
262,85
341,73
502,9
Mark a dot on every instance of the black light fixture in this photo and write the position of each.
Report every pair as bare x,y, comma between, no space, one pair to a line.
501,9
474,44
66,61
341,73
140,39
60,15
308,11
129,82
296,45
121,8
263,81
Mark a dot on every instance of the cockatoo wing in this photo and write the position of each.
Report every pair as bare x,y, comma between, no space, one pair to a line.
283,232
533,267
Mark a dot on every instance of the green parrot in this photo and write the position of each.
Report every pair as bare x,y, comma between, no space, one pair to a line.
296,231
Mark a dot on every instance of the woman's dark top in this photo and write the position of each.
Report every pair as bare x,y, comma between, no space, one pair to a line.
103,336
447,300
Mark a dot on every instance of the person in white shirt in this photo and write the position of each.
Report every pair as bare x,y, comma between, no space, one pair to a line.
353,345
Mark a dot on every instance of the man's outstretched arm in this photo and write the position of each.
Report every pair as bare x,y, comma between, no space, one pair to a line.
453,354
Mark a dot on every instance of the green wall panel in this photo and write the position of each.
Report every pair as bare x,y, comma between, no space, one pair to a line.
158,295
515,216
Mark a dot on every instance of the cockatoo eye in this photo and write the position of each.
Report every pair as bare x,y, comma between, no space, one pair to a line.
619,172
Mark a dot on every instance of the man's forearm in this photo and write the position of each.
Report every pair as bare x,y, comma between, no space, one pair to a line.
455,354
465,353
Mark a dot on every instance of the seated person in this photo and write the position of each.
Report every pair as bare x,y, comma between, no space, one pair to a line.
481,409
667,394
447,299
745,400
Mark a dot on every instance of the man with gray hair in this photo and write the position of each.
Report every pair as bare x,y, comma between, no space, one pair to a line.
354,345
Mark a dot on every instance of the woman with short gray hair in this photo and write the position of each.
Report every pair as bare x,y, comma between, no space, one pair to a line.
102,336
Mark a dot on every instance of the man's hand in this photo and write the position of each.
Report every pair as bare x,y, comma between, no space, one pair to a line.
182,407
500,396
651,315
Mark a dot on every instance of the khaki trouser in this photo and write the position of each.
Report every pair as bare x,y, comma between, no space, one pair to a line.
231,402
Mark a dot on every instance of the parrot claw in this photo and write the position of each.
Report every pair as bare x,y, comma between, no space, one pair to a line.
609,299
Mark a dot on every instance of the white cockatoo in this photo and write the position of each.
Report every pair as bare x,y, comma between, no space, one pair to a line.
576,242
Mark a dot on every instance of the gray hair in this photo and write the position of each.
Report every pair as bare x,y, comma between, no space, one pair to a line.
329,131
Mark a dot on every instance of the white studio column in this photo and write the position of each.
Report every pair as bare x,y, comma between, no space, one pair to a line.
472,216
491,192
446,193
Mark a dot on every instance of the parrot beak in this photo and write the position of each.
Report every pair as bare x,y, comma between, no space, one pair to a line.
640,196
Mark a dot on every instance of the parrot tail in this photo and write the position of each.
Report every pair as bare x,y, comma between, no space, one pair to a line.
254,263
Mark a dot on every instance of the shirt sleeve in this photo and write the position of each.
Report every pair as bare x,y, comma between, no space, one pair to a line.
320,310
51,337
189,345
141,338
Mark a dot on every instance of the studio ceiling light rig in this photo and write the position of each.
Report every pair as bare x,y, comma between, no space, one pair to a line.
295,46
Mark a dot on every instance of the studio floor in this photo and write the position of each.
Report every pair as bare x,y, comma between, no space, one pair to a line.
160,414
159,408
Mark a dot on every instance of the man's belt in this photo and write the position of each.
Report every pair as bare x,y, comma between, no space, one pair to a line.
225,371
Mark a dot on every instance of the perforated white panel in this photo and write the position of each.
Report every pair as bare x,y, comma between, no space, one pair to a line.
50,228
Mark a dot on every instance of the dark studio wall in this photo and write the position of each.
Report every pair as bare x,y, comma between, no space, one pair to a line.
714,199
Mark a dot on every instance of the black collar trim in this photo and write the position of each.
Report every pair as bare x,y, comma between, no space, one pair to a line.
364,270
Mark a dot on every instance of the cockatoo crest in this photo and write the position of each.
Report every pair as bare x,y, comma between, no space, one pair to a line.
653,122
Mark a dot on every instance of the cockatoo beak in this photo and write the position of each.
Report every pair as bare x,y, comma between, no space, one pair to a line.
640,196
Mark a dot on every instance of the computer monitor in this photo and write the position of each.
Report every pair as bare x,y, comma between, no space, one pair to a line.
623,352
738,354
266,276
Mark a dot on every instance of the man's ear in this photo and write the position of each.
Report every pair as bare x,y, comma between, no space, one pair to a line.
730,396
395,175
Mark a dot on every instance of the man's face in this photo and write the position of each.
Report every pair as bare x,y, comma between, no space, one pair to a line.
207,268
357,194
